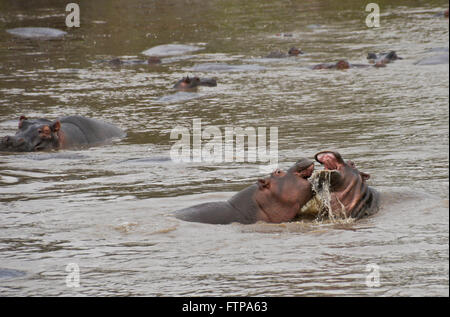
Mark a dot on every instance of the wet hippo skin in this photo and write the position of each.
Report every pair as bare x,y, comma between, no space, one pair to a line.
275,199
64,133
350,194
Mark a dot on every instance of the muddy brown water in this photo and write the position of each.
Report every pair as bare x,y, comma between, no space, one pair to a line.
108,209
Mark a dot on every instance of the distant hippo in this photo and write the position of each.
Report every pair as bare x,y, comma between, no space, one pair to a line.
275,199
194,82
37,33
434,60
293,51
284,34
153,60
442,14
350,195
341,64
64,133
171,50
383,58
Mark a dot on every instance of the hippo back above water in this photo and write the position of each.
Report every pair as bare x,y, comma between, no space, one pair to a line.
64,133
37,33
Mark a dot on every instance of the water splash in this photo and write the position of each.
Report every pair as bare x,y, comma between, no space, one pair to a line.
321,183
320,204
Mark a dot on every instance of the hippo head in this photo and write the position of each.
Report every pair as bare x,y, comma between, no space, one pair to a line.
284,193
293,51
342,64
193,82
187,83
372,56
32,135
392,56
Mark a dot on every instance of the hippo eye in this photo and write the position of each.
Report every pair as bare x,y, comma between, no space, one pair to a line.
278,172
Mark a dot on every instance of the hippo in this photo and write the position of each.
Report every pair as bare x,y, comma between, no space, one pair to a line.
284,34
223,67
434,60
382,59
194,82
37,33
350,195
275,199
293,51
66,132
152,60
171,50
341,64
10,273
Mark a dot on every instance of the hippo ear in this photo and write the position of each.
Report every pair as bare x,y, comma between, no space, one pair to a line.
21,120
263,183
56,126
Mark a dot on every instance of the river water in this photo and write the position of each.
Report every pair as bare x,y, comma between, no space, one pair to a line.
106,210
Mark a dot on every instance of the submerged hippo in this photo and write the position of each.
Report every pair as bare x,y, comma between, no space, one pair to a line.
194,82
275,199
171,50
434,60
342,64
284,34
37,33
66,132
153,60
350,195
383,58
223,67
293,51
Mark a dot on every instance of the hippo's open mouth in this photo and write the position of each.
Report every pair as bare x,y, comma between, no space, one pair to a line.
329,159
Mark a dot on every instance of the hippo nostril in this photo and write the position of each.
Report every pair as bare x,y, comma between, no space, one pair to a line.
7,140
